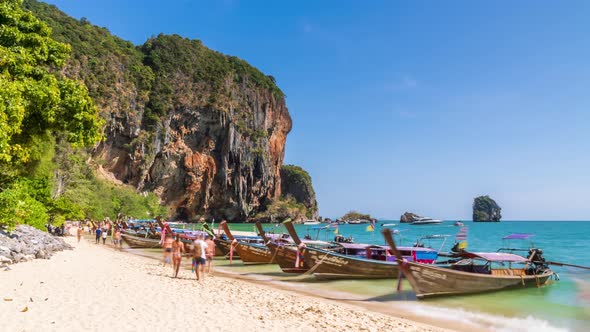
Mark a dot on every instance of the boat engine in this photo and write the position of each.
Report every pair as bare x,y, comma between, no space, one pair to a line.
539,265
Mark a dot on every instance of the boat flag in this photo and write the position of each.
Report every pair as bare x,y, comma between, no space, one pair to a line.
371,226
335,226
461,238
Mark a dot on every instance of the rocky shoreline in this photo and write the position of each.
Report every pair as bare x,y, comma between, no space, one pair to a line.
26,243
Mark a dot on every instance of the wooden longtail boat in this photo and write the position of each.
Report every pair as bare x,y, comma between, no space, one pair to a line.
285,254
375,264
474,274
224,247
249,253
140,242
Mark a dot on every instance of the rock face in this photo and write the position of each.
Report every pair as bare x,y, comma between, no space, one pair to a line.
296,182
204,131
408,217
26,243
486,209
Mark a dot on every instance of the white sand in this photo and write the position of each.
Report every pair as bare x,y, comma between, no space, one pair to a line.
94,288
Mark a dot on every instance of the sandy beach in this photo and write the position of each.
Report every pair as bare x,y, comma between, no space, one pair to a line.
96,288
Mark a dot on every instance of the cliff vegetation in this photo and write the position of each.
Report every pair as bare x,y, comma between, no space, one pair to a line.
355,215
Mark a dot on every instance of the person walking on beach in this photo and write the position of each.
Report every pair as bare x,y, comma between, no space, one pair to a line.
97,232
210,252
79,233
167,246
177,251
118,240
199,257
104,234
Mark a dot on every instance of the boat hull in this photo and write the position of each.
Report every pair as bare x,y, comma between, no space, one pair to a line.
329,265
286,258
224,248
139,242
250,254
430,281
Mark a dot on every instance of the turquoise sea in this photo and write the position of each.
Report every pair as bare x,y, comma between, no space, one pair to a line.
563,305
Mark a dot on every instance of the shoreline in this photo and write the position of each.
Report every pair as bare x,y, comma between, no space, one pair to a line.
96,289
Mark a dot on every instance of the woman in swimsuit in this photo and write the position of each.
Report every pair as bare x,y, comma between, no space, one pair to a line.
177,251
167,245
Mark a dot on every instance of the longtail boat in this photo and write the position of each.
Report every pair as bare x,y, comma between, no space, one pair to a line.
475,273
249,253
347,264
140,242
285,254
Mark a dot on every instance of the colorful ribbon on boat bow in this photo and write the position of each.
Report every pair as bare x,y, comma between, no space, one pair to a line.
163,234
404,262
234,243
298,258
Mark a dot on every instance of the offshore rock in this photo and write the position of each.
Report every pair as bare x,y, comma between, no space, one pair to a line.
486,209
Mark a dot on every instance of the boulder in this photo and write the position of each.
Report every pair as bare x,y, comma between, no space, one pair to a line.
41,254
4,259
26,243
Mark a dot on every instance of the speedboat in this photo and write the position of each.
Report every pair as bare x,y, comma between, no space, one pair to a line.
458,223
311,222
425,221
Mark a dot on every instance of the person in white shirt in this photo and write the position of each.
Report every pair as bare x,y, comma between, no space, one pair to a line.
199,256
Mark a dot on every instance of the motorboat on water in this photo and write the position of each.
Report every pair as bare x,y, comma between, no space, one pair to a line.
458,223
311,222
426,221
359,221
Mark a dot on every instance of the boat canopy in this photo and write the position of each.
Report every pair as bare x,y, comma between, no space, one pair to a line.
358,246
414,249
497,257
518,236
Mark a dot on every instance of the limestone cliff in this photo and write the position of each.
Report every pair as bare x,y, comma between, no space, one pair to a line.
486,209
206,132
296,182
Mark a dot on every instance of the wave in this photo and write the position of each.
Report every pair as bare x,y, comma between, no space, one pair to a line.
483,321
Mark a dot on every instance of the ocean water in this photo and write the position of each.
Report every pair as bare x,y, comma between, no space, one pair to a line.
563,305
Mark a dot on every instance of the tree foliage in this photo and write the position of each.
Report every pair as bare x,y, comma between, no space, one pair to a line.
35,103
283,208
33,98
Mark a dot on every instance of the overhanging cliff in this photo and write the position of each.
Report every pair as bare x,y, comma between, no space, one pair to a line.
204,131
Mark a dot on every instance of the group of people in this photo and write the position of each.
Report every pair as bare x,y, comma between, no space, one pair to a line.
201,250
103,230
57,230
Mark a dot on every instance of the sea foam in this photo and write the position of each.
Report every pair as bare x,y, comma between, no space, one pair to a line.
486,321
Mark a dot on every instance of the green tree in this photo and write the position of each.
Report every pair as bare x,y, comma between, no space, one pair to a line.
34,98
36,102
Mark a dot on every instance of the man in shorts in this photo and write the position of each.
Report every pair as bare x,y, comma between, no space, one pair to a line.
199,256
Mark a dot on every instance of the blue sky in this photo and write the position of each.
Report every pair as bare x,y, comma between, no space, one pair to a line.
410,105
